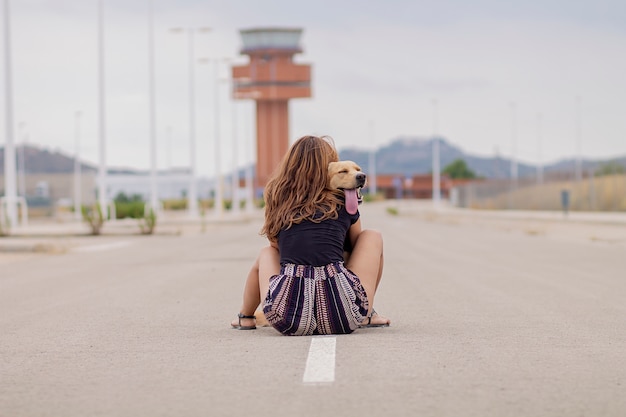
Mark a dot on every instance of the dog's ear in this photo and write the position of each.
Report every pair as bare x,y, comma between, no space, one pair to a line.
331,167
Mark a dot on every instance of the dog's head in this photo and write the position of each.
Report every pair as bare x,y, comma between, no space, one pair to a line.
347,176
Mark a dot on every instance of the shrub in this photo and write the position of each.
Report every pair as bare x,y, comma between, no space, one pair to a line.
175,204
93,216
458,169
392,210
132,209
206,204
147,223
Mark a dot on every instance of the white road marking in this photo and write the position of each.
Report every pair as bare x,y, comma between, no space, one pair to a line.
102,247
320,364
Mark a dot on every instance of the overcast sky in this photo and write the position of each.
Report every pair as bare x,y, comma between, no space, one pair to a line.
377,67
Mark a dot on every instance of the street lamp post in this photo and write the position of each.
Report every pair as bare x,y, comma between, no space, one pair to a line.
514,172
168,145
249,174
579,165
10,186
192,203
539,161
372,162
436,168
250,139
235,148
78,215
102,197
235,172
154,197
192,198
219,197
248,149
21,161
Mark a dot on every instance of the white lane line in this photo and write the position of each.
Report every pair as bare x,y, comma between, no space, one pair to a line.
102,247
320,364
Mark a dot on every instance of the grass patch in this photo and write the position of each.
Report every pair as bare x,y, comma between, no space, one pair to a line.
393,211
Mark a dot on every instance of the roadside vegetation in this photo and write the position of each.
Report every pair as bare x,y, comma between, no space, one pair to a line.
458,169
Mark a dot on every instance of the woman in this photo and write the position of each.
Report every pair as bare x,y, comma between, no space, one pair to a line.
306,286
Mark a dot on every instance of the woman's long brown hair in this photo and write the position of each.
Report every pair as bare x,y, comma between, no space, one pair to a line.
299,188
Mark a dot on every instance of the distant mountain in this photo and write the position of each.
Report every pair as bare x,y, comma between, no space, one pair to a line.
412,155
403,155
42,161
38,161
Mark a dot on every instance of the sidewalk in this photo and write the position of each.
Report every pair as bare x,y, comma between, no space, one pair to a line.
426,206
49,235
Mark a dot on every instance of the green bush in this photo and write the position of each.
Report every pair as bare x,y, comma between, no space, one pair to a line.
129,206
123,198
175,204
4,227
132,209
147,223
458,169
94,217
367,197
206,204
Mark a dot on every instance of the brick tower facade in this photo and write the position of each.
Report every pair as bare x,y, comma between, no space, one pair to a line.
271,78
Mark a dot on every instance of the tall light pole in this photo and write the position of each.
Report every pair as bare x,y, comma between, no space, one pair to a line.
372,161
539,161
219,197
168,146
251,141
154,196
436,162
102,174
249,176
21,161
235,172
78,215
514,173
192,203
579,164
249,137
10,186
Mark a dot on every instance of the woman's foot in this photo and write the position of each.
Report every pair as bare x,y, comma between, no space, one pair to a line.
375,320
244,322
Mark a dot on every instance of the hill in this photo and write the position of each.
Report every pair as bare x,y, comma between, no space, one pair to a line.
403,155
43,161
413,155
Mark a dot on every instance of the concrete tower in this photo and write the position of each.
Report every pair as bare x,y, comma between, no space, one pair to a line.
271,78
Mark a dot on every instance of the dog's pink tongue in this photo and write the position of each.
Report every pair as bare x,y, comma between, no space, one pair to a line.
352,201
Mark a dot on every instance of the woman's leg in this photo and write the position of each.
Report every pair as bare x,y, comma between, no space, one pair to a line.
258,282
366,261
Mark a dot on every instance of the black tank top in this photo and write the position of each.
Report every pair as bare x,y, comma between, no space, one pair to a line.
316,244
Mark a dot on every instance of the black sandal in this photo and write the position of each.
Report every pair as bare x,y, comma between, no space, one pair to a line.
240,327
369,321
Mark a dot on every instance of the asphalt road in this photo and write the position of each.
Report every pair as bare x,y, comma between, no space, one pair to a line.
491,316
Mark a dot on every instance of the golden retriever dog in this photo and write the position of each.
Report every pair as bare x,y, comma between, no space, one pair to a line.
347,176
342,175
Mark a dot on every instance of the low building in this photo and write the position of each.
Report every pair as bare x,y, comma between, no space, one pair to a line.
416,186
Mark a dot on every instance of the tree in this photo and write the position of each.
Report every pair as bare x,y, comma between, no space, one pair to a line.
121,197
458,169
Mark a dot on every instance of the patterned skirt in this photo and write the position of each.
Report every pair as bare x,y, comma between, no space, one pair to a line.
307,300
